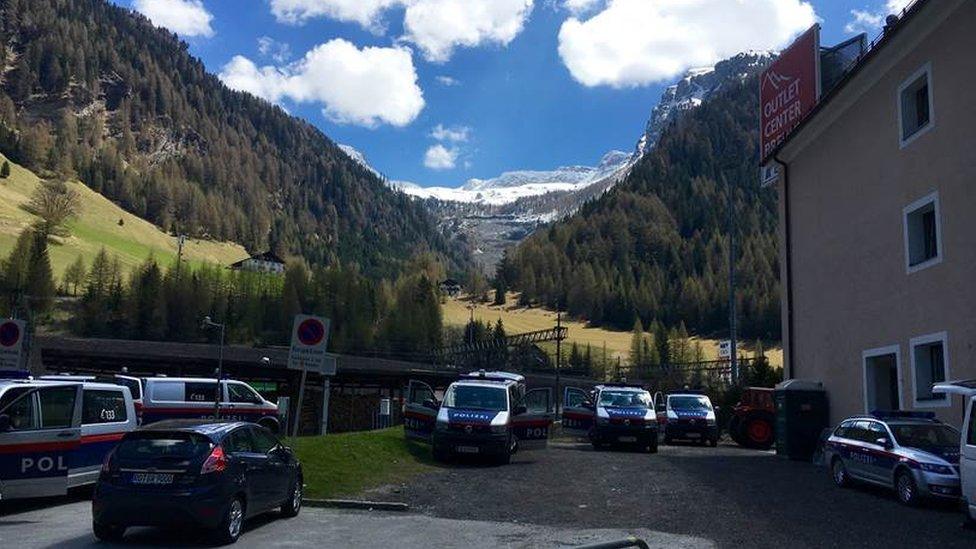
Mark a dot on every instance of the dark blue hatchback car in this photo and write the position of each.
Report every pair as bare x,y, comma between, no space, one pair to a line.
195,473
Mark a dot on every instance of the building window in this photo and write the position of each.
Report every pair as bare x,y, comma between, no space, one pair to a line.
915,109
923,233
930,364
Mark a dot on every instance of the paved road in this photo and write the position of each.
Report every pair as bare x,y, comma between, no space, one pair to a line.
732,496
68,526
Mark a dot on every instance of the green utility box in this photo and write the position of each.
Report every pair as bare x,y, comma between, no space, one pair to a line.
801,415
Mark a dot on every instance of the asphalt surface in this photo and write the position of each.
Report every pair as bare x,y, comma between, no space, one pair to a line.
727,495
68,526
683,497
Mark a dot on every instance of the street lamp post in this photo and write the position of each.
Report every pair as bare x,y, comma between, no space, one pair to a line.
209,323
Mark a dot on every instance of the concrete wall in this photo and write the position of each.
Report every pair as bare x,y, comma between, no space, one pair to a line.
849,186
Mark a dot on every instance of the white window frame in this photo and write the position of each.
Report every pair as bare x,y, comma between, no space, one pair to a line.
926,70
876,352
939,337
932,198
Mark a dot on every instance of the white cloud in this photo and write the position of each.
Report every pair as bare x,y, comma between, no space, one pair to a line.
184,17
437,27
366,13
639,42
871,21
278,51
366,87
454,134
581,6
448,81
863,21
439,157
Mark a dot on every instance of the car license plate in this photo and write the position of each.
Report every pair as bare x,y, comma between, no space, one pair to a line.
694,435
152,478
627,439
467,449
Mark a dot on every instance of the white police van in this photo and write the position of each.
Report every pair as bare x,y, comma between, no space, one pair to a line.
54,435
133,383
483,413
611,414
967,441
193,398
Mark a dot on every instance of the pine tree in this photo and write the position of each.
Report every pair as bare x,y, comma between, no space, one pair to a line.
74,276
40,280
5,170
637,346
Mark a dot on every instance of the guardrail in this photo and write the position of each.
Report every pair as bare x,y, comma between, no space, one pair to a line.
618,544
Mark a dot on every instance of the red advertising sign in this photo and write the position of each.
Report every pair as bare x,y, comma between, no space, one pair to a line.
789,89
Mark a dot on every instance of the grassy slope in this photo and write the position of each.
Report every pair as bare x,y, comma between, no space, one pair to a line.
346,464
97,226
519,319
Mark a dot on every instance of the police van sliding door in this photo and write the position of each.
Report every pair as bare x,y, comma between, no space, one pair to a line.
420,411
42,427
578,413
532,426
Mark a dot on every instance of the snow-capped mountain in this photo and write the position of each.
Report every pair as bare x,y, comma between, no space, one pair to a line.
359,157
509,187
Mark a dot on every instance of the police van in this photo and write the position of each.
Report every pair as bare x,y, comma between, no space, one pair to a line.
54,435
611,414
484,413
133,383
193,398
687,415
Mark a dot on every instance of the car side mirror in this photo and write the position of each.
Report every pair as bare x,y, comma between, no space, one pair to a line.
589,404
429,403
4,423
883,441
717,408
519,410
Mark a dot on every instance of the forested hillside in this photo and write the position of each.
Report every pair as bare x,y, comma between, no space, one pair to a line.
94,91
655,248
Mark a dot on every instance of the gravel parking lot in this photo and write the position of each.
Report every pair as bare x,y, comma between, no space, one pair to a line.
728,495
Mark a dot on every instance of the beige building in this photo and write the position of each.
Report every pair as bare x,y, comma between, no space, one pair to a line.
877,195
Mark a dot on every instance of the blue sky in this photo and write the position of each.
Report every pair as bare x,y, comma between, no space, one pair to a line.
440,91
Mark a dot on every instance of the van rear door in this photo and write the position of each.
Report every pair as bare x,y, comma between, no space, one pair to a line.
107,414
420,411
43,426
578,414
532,427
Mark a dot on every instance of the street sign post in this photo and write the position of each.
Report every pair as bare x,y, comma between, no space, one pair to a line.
12,333
309,338
725,348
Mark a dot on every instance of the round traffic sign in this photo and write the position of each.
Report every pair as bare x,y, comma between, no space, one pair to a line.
9,334
311,332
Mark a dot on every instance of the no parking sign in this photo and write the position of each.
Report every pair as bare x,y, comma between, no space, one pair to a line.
309,337
11,344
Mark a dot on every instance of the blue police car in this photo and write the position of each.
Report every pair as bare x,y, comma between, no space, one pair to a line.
611,414
910,452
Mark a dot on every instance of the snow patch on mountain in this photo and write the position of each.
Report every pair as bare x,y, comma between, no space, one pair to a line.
360,158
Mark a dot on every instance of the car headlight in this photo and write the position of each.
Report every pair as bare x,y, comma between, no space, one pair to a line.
710,421
936,468
499,429
440,426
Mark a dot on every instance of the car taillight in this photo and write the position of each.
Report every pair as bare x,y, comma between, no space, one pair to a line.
107,462
215,463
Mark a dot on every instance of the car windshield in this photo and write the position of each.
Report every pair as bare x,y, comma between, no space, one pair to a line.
161,445
924,436
625,398
474,397
690,403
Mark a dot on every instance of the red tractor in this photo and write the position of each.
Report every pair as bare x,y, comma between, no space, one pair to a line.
753,422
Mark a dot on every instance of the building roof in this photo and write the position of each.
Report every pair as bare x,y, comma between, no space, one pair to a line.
874,49
268,256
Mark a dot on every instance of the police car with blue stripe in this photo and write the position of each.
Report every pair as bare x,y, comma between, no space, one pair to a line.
611,414
483,413
54,435
910,452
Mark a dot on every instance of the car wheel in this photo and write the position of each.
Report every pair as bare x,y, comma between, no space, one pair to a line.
293,505
107,532
652,448
504,458
838,472
233,524
713,442
667,439
905,488
440,453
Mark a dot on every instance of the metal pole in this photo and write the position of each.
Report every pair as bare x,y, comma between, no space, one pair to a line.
559,355
220,373
298,408
732,315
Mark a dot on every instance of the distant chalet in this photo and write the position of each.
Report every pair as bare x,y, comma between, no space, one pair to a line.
268,262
